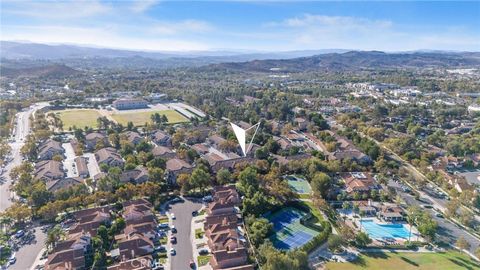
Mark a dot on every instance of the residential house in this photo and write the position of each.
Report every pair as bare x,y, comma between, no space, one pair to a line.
55,185
163,152
302,123
94,138
138,175
110,157
49,149
161,138
82,168
138,263
48,170
132,137
71,253
176,166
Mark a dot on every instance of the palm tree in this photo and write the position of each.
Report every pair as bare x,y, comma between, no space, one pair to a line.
53,236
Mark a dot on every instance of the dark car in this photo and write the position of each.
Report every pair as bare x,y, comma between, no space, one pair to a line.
194,213
192,264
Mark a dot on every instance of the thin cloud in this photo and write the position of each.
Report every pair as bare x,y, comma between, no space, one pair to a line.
140,6
186,26
57,10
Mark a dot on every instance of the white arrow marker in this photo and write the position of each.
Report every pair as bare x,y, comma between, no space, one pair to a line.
240,133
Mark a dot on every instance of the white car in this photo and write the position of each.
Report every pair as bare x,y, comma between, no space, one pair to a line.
173,216
172,252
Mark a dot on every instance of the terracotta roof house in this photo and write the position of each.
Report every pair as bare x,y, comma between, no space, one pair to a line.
88,220
91,140
163,152
285,160
134,246
49,149
55,185
129,103
138,214
138,175
139,263
132,137
225,238
359,182
176,166
82,168
49,170
391,213
161,138
226,194
110,157
66,260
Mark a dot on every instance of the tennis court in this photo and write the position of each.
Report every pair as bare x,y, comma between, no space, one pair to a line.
299,185
289,232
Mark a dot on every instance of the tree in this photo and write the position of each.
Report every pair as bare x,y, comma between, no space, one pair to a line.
362,239
54,235
18,212
258,229
248,181
199,179
223,176
335,243
427,226
273,259
320,183
156,175
462,243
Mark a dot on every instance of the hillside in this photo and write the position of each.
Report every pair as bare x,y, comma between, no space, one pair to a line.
51,70
356,60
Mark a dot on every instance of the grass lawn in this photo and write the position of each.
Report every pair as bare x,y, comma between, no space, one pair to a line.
140,118
203,260
78,118
451,260
199,233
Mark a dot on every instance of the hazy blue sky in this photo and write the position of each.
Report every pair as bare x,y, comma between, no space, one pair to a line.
246,25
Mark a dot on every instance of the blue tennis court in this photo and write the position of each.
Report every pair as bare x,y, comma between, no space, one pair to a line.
299,185
289,232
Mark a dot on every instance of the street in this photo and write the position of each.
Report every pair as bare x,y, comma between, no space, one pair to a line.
27,252
183,213
447,230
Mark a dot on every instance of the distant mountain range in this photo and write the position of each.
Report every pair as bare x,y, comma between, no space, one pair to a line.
355,60
31,59
25,50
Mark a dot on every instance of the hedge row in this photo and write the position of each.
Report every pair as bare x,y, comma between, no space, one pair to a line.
319,239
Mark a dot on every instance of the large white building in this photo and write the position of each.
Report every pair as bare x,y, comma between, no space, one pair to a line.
129,103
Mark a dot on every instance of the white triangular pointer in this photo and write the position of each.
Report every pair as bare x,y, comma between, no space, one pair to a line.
240,133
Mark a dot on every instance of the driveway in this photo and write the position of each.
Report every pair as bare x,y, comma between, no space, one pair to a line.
92,165
69,160
183,213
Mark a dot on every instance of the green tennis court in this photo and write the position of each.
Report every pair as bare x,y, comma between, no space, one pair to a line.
299,185
289,232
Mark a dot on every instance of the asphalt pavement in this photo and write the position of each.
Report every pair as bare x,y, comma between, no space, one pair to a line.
183,213
448,231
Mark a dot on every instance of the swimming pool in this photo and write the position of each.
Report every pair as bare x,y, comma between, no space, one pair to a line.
382,231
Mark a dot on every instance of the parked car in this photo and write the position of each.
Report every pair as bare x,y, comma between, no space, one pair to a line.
19,233
173,216
173,240
192,264
195,213
203,251
163,225
173,252
207,198
160,248
174,230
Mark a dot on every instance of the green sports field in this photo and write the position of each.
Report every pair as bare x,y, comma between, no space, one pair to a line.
140,118
78,118
451,260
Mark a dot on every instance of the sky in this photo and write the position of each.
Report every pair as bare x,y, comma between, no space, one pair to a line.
155,25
